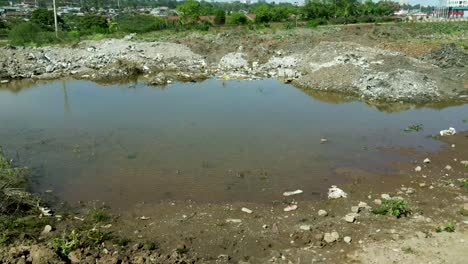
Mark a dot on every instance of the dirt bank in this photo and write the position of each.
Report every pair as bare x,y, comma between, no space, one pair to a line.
432,224
369,61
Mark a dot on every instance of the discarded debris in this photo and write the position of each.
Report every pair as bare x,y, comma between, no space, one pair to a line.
46,230
418,169
427,160
322,212
290,193
290,207
335,193
45,211
323,140
448,132
305,227
145,218
246,210
232,220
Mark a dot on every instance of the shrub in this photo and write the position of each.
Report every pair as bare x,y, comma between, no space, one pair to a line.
94,24
140,23
395,207
203,26
45,19
237,19
316,22
29,33
220,17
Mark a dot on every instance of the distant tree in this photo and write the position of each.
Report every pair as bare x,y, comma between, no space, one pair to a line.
93,23
220,17
262,13
190,10
45,19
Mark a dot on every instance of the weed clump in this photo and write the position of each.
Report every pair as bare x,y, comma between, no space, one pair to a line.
394,207
450,228
414,128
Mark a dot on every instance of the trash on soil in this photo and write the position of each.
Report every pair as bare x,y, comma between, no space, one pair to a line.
418,169
305,227
231,220
246,210
290,207
45,211
323,140
448,167
335,193
448,132
427,160
144,218
292,193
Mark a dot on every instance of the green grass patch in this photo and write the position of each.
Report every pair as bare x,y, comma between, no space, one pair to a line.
394,207
450,228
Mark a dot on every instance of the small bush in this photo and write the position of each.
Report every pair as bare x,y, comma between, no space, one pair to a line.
140,23
316,22
220,17
237,19
416,128
66,244
394,207
93,24
29,33
203,26
450,228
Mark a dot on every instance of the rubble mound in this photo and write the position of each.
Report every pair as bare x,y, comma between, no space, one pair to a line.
448,56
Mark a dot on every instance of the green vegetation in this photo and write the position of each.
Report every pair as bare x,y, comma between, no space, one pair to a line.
237,19
449,227
394,207
18,208
415,128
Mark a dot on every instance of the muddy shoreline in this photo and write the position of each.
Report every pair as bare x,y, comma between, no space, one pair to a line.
357,63
191,232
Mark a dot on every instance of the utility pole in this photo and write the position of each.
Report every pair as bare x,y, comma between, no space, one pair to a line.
55,20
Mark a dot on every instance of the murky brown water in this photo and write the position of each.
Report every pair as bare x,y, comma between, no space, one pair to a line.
209,141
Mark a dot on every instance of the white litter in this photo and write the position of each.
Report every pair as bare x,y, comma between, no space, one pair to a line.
45,211
335,193
292,193
427,160
246,210
448,132
289,208
144,218
231,220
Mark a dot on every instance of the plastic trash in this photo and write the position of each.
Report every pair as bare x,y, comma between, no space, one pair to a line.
246,210
335,193
292,193
290,207
448,132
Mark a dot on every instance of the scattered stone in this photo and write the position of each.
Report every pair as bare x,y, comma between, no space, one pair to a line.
350,218
355,209
46,230
290,193
378,201
318,237
145,218
421,235
322,212
347,239
418,169
422,184
335,193
305,227
363,205
385,196
427,160
464,162
246,210
448,132
410,191
448,167
290,207
331,237
265,226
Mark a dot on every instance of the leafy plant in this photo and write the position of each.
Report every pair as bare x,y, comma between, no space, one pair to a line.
394,207
450,228
98,215
66,244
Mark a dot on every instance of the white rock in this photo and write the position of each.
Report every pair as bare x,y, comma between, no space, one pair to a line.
427,160
448,132
322,212
448,167
145,218
305,227
46,230
378,201
464,162
331,237
335,193
290,193
418,169
347,239
231,220
246,210
355,209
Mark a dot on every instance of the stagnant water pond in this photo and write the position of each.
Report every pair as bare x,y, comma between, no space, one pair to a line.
214,141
